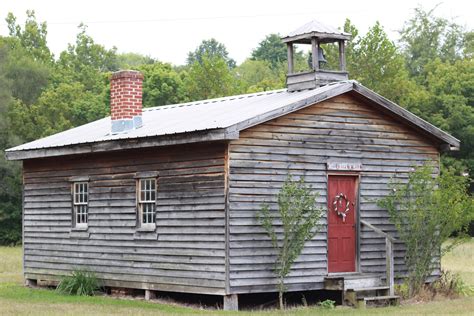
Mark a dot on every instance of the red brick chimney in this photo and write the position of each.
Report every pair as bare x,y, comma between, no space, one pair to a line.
126,100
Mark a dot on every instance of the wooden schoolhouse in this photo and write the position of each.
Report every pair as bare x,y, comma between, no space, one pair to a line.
165,198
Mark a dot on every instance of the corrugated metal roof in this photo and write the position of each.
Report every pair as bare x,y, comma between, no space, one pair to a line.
316,27
182,118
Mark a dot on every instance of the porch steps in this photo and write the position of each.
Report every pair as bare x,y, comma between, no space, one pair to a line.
361,289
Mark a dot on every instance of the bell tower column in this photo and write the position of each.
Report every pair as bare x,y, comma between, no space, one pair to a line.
290,57
315,53
342,56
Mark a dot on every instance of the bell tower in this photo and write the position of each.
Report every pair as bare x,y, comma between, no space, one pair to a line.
315,33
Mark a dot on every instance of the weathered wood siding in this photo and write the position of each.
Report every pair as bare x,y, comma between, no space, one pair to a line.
301,143
187,252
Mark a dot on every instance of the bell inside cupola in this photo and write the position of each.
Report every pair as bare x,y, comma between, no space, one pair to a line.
321,58
315,34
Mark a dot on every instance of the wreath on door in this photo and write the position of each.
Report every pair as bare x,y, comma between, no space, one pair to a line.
339,207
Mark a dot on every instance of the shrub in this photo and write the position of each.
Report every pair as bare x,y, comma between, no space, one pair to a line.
426,211
298,218
402,290
327,304
451,285
80,282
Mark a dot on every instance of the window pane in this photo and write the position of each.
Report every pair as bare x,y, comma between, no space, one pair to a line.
147,196
80,200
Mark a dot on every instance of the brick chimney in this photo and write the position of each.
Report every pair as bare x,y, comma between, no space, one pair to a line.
126,100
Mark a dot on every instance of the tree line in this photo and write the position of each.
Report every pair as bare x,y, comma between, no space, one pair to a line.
429,71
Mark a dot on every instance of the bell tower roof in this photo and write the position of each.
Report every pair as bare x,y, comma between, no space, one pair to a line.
325,33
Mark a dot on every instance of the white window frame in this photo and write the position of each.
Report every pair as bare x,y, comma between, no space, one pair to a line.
80,204
147,201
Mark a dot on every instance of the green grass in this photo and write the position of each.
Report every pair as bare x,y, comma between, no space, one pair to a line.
16,299
461,260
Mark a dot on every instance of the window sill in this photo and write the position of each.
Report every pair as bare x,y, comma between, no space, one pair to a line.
79,229
145,229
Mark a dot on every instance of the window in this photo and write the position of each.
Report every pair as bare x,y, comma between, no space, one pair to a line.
147,202
80,203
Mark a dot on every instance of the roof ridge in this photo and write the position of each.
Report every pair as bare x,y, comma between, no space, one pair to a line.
214,100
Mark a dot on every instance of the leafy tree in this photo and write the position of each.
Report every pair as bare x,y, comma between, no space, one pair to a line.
426,37
59,108
257,75
271,50
32,37
426,211
298,216
10,184
133,60
375,61
211,49
210,78
85,62
27,76
450,104
162,85
380,66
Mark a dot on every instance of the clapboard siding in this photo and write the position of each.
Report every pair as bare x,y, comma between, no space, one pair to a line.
301,143
185,254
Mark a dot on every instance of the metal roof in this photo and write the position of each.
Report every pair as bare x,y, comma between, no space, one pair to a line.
315,28
219,118
180,118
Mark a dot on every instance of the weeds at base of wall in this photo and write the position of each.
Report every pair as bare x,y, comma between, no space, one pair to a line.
449,285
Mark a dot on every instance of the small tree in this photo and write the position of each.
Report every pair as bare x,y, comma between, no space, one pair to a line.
426,211
299,217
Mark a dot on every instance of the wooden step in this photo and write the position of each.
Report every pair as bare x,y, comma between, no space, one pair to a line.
363,281
378,301
374,288
368,291
353,280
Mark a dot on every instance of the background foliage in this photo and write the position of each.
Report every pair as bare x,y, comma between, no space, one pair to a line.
430,71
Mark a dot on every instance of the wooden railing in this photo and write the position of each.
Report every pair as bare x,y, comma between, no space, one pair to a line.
390,258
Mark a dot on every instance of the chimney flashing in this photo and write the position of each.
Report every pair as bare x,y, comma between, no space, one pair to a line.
125,125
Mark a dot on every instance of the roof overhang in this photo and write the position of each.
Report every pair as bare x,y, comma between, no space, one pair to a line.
123,144
446,141
323,38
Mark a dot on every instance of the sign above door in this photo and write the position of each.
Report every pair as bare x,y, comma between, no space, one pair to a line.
344,166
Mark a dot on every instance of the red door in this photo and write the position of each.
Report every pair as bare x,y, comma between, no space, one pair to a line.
342,192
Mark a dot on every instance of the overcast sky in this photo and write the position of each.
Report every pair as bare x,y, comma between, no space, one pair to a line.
168,30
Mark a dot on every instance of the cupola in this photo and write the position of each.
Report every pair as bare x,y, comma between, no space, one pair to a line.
315,33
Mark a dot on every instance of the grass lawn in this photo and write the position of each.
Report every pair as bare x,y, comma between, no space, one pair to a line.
18,300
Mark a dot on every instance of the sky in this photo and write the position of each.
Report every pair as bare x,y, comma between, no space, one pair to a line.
168,30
